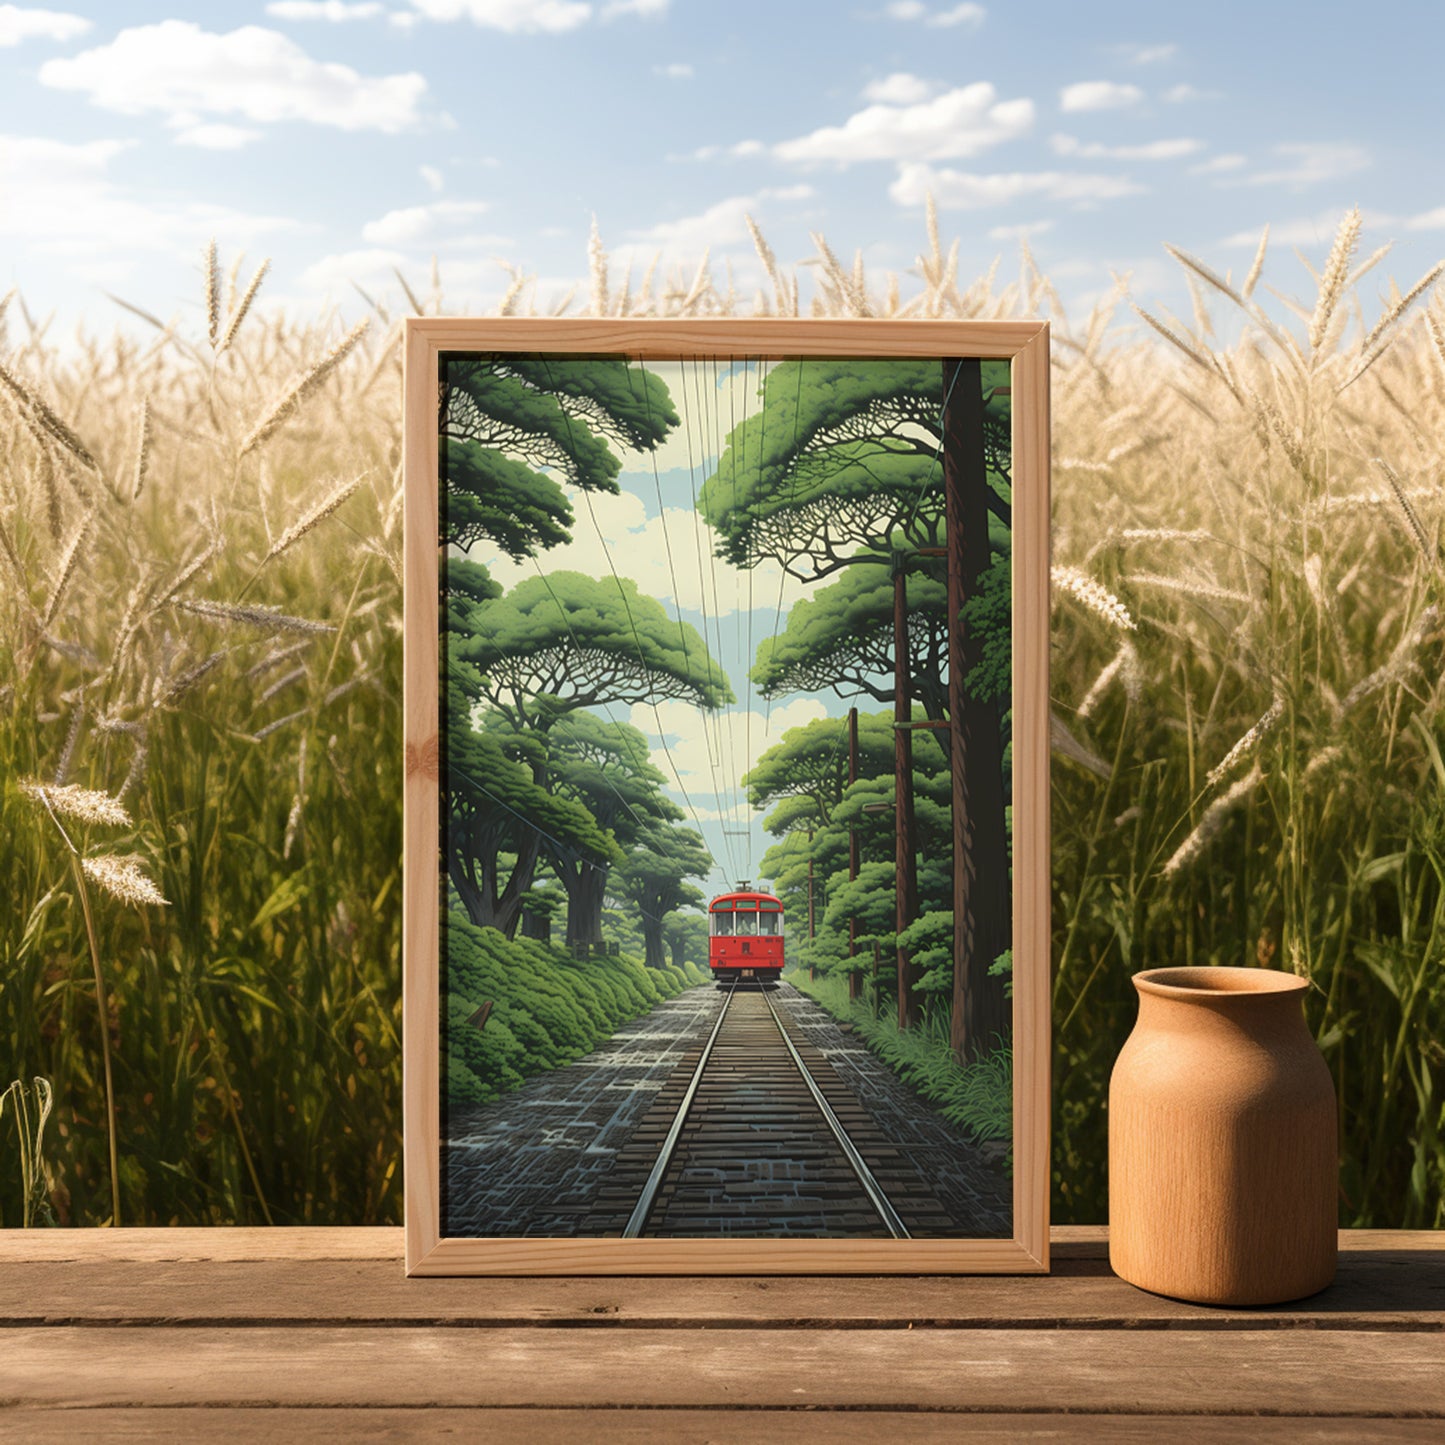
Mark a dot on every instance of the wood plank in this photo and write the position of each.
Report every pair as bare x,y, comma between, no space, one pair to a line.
1071,1241
645,1427
1357,1374
1401,1289
34,1245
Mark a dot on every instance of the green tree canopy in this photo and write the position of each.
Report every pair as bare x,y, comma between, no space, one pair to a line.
516,427
843,457
555,644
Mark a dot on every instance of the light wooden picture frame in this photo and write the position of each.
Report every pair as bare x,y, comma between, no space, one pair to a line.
516,429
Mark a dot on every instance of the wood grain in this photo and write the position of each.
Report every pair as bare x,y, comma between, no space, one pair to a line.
1385,1290
647,1427
283,1426
1358,1374
1025,343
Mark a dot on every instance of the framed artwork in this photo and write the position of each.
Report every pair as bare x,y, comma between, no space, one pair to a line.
726,877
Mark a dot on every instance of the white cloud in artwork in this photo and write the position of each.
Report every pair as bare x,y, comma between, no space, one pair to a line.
677,70
900,88
1308,163
1157,150
433,177
19,22
513,17
972,15
336,11
1087,95
958,123
1427,220
184,72
961,190
712,753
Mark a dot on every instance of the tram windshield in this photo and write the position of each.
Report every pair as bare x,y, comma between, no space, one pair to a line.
722,924
747,922
768,923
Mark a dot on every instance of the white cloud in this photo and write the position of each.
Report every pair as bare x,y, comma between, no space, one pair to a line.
1158,150
175,67
74,207
1317,230
722,224
1178,94
624,537
217,136
1309,162
939,19
646,9
900,88
1098,95
1147,54
959,123
19,23
336,11
1020,232
1219,165
712,753
959,190
1427,220
678,70
514,17
433,177
412,225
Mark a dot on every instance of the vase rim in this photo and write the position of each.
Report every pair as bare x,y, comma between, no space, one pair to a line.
1218,981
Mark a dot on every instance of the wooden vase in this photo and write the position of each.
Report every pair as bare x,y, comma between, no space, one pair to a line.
1223,1155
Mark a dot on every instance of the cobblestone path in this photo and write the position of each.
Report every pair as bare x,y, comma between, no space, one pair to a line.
537,1161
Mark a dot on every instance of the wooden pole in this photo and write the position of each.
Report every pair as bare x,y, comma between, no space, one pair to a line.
812,968
855,979
905,872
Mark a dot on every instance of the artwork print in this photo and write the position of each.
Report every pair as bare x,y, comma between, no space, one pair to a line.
725,873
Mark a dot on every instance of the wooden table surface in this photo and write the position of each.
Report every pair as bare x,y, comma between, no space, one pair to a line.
288,1335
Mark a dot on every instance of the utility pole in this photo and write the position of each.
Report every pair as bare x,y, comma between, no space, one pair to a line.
905,867
812,968
855,979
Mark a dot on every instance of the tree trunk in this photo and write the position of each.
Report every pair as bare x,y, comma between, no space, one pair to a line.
654,952
586,889
982,902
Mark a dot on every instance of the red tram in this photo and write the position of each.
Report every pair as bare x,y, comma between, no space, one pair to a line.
746,937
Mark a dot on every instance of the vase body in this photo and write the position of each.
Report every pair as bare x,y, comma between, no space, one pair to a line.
1223,1153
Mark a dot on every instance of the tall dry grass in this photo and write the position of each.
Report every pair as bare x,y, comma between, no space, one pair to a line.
1247,655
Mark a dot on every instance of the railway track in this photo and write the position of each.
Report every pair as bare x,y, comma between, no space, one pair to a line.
755,1135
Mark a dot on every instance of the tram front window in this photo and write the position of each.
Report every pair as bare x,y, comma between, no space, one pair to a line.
747,922
722,924
767,923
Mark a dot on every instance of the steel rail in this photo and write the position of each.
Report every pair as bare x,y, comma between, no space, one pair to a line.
876,1197
645,1200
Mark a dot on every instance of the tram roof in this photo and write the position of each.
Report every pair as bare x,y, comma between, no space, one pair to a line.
745,897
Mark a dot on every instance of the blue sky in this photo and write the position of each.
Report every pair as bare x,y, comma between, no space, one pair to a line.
344,139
